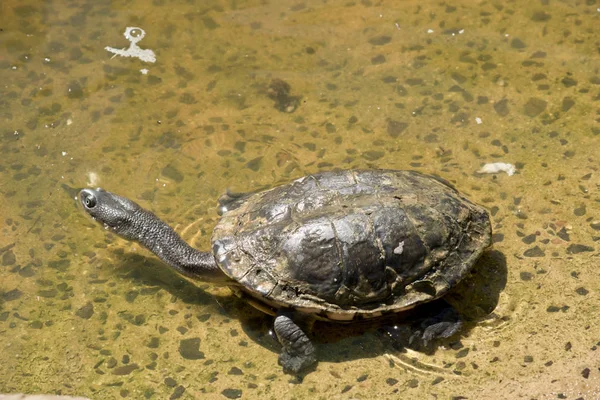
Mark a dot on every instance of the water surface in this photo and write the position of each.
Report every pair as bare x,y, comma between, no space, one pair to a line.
248,94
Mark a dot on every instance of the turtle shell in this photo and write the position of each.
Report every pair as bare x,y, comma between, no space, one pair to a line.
351,244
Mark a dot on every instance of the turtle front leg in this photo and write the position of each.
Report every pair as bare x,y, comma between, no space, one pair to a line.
298,352
230,201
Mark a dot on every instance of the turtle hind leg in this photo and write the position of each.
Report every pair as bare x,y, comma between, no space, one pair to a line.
298,353
423,326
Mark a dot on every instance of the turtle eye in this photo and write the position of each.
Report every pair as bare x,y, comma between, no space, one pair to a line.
90,201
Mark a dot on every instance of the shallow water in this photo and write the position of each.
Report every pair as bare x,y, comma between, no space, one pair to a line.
436,87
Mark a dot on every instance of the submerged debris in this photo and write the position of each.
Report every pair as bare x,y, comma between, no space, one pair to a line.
134,35
279,90
494,168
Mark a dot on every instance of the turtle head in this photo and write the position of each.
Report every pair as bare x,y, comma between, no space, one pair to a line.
113,211
130,221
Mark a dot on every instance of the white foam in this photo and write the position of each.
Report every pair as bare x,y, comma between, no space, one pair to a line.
134,35
494,168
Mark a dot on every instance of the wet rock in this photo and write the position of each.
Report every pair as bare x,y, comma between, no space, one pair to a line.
8,258
412,383
36,325
190,349
125,370
568,346
177,393
347,388
210,23
567,103
154,80
554,309
391,381
414,81
540,16
517,43
563,234
580,211
235,371
61,265
373,155
182,329
568,81
50,293
465,58
534,107
534,252
395,128
170,382
380,40
501,107
86,311
380,59
578,248
585,373
255,164
232,393
203,317
131,296
172,173
581,291
74,90
111,363
526,276
462,352
187,98
25,11
497,237
529,238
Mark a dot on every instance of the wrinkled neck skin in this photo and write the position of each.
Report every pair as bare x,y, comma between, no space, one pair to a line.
163,241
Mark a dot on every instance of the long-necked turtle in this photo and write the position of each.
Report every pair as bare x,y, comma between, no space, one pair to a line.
339,246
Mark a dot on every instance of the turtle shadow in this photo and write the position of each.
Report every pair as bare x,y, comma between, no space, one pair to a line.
474,299
153,273
150,272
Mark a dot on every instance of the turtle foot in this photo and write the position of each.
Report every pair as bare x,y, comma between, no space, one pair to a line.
297,353
293,364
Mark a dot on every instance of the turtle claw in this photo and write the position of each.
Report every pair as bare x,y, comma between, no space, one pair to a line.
440,330
297,353
293,364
